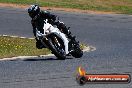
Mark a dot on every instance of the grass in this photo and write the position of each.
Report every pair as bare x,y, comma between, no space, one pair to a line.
118,6
11,47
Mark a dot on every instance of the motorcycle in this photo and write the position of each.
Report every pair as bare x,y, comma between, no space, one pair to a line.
58,43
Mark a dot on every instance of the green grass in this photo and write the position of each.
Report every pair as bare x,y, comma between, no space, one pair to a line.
118,6
10,47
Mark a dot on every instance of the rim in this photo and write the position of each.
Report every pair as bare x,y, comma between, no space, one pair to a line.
59,47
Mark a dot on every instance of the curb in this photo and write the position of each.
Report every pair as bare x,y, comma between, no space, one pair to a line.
16,37
87,49
24,57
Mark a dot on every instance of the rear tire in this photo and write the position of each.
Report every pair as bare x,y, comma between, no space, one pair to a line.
78,53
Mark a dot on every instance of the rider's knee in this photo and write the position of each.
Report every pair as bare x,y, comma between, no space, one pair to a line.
39,45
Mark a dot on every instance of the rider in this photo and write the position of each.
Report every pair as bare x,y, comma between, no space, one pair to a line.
38,16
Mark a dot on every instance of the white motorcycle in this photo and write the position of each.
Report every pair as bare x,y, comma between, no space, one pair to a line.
58,43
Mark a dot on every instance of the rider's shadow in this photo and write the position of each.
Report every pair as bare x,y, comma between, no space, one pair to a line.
40,59
44,59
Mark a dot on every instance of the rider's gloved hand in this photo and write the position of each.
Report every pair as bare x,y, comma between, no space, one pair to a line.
39,35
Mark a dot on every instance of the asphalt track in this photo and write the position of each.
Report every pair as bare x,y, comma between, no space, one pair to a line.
110,34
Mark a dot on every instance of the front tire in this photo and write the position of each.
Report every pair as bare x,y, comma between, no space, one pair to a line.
60,54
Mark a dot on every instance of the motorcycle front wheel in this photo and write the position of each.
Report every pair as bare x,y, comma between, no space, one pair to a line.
56,45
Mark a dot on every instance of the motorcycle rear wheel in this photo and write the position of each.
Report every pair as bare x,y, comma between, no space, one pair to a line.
77,53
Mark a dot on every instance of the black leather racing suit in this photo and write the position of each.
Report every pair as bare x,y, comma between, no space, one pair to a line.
38,23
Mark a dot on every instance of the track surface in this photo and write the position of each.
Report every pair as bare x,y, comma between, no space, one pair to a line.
110,34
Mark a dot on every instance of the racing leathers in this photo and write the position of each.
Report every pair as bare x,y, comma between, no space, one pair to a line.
38,23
